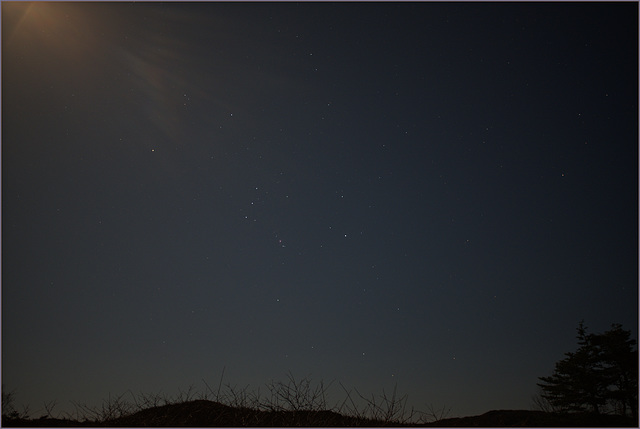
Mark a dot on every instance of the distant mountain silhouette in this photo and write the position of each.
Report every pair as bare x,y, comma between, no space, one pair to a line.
528,418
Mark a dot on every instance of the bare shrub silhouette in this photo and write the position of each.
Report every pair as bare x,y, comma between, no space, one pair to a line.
9,410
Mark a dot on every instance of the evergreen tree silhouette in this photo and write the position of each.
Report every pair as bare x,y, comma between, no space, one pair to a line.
601,374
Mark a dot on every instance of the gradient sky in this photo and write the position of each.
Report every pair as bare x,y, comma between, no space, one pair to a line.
431,195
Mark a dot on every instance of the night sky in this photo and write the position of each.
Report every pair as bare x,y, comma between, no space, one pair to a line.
431,195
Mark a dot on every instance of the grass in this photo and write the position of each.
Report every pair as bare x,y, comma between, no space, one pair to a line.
290,403
293,402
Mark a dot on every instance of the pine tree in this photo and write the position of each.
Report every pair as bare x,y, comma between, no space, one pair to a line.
601,373
620,368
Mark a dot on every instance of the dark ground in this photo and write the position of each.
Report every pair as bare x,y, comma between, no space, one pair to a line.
203,413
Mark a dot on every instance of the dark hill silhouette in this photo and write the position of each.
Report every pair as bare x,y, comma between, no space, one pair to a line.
528,418
205,413
214,414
